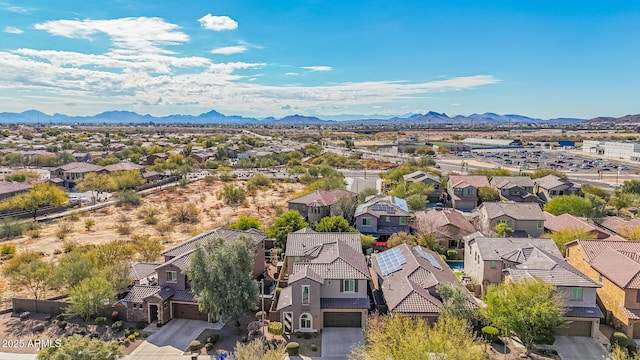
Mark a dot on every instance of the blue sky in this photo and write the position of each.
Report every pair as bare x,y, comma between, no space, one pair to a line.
321,57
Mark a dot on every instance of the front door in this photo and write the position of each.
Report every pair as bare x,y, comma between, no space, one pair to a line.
153,313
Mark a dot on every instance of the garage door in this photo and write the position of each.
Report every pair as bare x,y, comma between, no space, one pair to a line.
188,311
342,319
576,328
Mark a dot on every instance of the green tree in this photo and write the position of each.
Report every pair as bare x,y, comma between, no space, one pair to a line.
79,347
345,207
245,223
455,301
362,196
146,248
90,297
258,182
41,195
600,192
631,187
402,238
562,237
73,267
527,309
597,206
568,204
95,182
487,194
289,221
503,230
334,224
127,179
544,172
232,195
28,270
221,277
622,200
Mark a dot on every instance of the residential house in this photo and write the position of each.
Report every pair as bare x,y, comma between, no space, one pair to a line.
144,273
616,266
550,186
151,159
382,216
316,205
463,190
10,189
81,156
407,277
72,172
554,223
123,166
515,188
429,179
576,290
327,282
525,219
486,257
448,226
617,225
172,296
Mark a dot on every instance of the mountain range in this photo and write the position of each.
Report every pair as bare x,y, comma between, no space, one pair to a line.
214,117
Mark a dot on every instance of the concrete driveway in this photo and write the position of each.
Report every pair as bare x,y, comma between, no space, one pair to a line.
580,348
337,342
171,340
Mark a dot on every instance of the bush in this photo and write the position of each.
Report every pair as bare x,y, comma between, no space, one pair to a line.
151,220
7,250
131,337
209,179
314,347
25,315
276,328
618,338
64,228
62,324
258,182
117,326
73,217
60,317
94,335
293,348
89,223
490,333
213,339
452,254
208,346
101,321
123,228
127,198
141,325
195,345
185,213
10,228
128,332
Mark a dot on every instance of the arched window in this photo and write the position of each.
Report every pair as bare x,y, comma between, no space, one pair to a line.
305,321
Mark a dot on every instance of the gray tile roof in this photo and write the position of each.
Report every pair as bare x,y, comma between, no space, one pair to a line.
514,210
139,271
228,234
495,248
421,176
411,289
183,295
305,272
164,293
335,260
79,167
140,292
501,182
383,206
583,312
299,244
322,197
11,187
344,303
551,182
285,299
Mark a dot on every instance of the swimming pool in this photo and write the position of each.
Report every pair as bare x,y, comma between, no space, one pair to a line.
456,264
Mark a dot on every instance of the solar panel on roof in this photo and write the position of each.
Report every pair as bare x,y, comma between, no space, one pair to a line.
427,256
390,261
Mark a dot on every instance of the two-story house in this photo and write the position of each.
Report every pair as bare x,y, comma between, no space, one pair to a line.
172,296
382,216
407,277
429,179
486,257
576,290
525,219
617,225
616,266
515,188
72,172
562,222
463,190
317,205
449,226
327,282
550,186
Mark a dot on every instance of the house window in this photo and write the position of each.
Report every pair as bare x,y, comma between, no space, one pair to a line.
453,244
403,220
387,218
540,224
576,293
599,277
305,294
349,285
305,321
553,192
172,276
493,264
366,222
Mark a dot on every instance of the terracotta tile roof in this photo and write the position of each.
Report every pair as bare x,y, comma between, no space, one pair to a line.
593,248
383,206
552,181
514,210
618,267
631,314
123,166
463,181
421,176
568,221
322,197
298,244
183,295
328,256
439,222
617,224
79,167
11,187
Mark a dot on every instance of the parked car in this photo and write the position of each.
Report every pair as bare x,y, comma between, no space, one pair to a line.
623,168
439,206
615,185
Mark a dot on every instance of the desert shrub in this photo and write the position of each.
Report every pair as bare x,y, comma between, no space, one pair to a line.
185,213
63,229
73,217
10,228
68,246
208,346
490,333
209,179
89,223
195,345
618,338
127,198
62,324
101,321
258,182
7,250
117,326
131,337
148,211
164,228
123,228
141,325
33,234
293,348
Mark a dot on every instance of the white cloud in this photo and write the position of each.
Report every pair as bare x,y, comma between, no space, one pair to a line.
14,9
230,50
291,74
317,68
218,23
12,30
